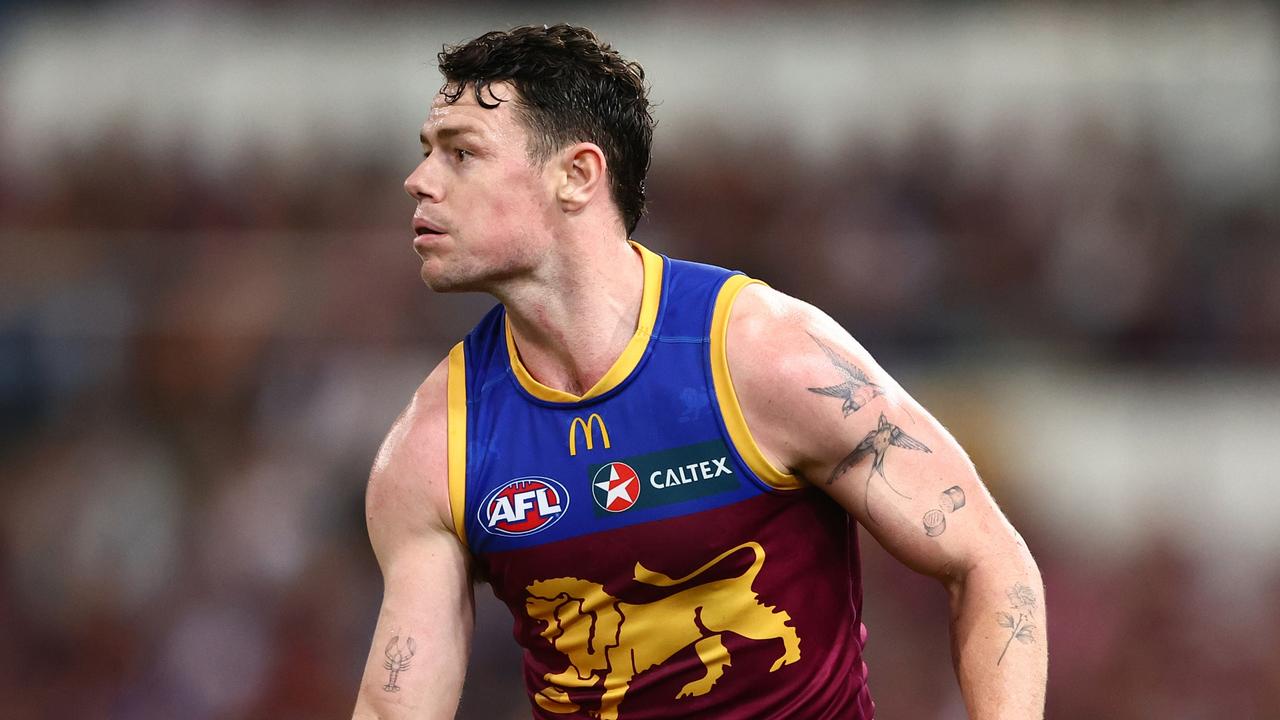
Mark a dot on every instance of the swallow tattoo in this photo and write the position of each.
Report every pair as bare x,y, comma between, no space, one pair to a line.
876,444
856,390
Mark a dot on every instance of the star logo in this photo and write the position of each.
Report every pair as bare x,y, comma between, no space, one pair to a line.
615,487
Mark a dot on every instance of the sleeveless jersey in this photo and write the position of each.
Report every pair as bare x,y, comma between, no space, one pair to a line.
656,564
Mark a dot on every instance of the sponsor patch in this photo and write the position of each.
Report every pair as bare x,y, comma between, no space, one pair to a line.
523,506
663,478
615,487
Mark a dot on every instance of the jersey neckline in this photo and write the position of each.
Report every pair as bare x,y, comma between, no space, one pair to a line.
631,355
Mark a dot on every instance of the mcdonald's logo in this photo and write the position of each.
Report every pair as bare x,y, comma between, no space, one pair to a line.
588,428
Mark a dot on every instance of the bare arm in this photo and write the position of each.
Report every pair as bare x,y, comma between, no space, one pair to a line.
420,646
820,407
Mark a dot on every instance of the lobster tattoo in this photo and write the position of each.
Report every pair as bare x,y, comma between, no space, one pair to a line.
397,660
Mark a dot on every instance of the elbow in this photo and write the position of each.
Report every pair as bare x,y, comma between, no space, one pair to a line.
993,562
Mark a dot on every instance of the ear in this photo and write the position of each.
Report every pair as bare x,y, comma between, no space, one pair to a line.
581,177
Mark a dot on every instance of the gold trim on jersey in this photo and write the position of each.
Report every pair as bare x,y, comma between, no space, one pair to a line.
734,420
588,426
457,434
626,362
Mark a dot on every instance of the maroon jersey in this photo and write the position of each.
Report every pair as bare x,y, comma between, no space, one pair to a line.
656,564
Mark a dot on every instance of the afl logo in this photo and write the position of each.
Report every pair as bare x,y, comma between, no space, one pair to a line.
523,506
615,487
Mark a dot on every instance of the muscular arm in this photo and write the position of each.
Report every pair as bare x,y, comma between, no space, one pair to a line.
420,646
821,408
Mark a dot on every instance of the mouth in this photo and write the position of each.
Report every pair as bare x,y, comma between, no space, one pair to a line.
426,229
425,236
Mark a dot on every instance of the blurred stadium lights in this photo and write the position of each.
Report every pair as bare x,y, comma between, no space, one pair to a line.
1202,79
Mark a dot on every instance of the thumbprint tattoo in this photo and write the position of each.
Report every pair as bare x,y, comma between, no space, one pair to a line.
877,444
934,523
856,390
950,500
1022,600
397,660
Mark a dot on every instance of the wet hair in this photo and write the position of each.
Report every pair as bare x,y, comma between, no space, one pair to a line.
571,88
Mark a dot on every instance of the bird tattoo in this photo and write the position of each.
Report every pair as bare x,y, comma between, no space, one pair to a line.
877,444
857,390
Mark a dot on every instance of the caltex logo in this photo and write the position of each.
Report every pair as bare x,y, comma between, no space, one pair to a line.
524,506
615,487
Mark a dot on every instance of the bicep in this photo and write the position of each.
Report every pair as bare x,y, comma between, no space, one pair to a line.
918,494
823,408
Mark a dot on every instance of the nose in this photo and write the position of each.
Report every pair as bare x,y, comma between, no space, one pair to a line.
423,184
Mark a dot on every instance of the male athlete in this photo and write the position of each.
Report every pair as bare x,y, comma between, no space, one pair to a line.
657,465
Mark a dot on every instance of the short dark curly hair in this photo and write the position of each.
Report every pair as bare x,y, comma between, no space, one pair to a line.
572,88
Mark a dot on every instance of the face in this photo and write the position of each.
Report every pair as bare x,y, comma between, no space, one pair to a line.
484,211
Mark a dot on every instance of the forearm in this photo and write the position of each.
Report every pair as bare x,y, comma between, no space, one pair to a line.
420,646
370,705
413,676
998,639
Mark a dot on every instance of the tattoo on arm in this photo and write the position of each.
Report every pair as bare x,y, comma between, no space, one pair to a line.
951,500
397,660
856,390
935,523
1022,600
876,444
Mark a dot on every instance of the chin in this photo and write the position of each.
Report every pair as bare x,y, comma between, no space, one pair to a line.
444,283
436,283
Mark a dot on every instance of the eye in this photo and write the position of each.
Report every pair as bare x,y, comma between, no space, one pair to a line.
462,154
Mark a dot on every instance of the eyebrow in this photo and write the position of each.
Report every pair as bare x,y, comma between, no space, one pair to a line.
447,132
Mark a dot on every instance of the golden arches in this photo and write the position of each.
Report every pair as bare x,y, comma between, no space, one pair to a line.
588,428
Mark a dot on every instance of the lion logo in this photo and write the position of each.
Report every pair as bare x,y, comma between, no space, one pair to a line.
610,640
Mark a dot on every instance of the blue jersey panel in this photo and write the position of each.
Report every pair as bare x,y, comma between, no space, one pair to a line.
650,448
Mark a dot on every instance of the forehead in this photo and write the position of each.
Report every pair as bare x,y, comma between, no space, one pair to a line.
466,114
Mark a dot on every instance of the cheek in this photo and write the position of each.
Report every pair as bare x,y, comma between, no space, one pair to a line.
522,199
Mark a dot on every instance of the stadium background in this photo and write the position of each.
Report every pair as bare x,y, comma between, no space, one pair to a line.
1057,224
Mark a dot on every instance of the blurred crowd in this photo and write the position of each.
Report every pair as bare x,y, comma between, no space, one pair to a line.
196,370
1093,245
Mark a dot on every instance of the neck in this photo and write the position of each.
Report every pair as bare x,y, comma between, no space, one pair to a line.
573,318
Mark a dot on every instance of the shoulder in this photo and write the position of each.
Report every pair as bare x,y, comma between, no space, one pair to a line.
408,491
796,372
773,337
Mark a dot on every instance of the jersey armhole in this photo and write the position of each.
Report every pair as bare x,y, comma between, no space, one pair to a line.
727,398
457,439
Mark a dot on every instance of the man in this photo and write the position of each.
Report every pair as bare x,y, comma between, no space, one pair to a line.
656,464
